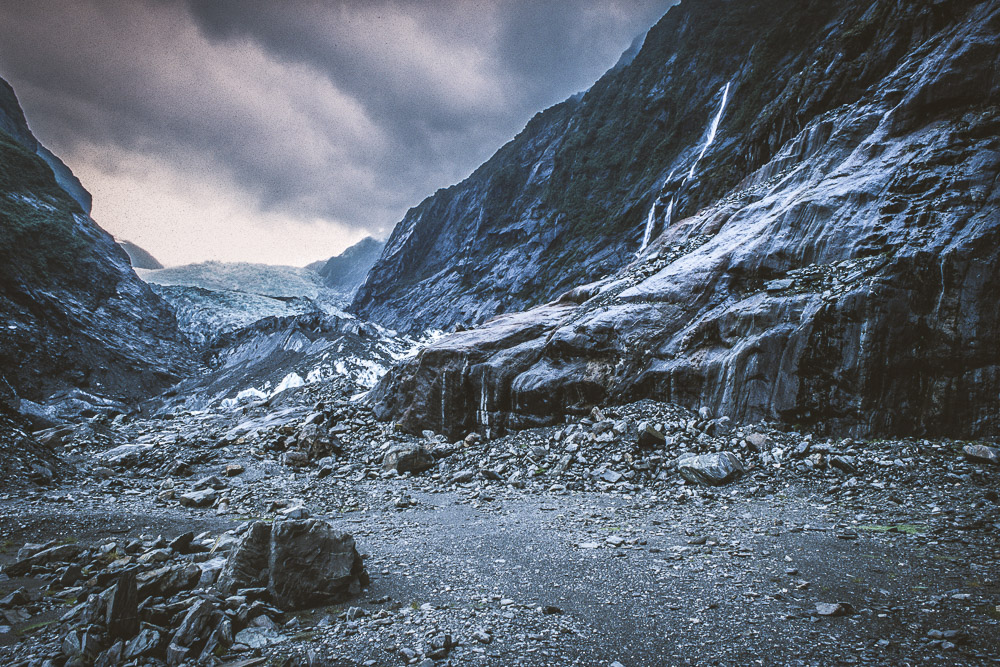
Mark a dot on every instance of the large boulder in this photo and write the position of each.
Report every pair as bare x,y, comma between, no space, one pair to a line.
312,564
247,564
982,454
711,469
410,458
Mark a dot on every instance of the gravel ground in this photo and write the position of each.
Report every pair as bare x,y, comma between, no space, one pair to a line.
546,568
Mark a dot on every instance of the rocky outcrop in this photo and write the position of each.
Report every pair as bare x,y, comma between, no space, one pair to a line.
835,264
78,324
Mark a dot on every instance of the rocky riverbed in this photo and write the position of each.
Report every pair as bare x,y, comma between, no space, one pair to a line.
591,542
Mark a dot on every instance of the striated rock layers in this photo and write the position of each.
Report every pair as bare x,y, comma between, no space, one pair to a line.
847,278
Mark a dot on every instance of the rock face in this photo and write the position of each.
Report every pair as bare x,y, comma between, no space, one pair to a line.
347,271
76,319
823,243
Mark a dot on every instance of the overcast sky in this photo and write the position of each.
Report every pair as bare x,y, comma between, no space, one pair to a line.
282,132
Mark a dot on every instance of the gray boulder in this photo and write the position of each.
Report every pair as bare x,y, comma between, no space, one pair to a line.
407,458
710,469
312,564
982,454
247,564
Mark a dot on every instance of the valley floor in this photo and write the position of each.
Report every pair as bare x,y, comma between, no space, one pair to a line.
557,568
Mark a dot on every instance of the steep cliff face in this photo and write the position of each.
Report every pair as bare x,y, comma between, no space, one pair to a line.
718,87
78,324
822,241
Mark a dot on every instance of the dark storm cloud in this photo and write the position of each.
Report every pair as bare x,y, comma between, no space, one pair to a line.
349,112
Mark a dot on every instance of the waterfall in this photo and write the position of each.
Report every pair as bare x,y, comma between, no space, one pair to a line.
650,221
712,130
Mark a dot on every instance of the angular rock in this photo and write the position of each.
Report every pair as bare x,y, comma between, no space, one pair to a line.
145,643
57,554
312,564
844,464
650,439
196,625
202,498
112,657
167,580
123,607
318,443
257,638
247,564
462,477
982,454
834,609
405,458
710,469
220,640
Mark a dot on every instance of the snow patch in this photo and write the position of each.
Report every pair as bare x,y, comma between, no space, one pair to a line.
290,381
246,396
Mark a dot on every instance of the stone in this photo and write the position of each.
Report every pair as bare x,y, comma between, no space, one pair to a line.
611,477
462,477
167,580
844,464
176,655
405,458
202,498
123,607
234,469
147,642
295,459
710,469
196,625
57,554
834,609
220,640
298,512
311,564
650,439
247,564
111,657
182,543
758,441
258,638
317,442
982,454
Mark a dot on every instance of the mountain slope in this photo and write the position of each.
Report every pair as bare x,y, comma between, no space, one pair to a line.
78,323
140,258
831,259
347,271
568,200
